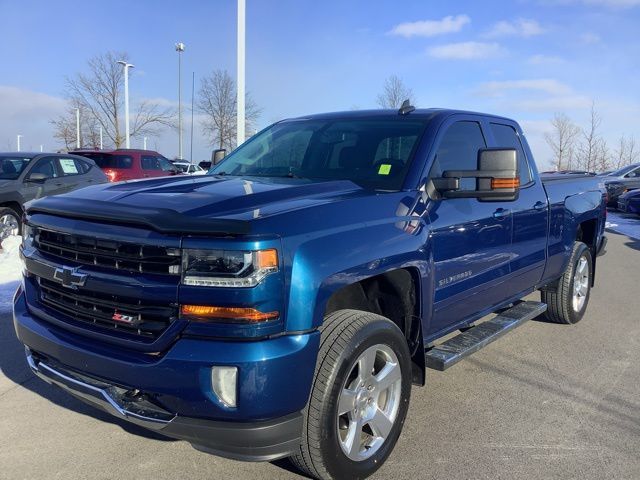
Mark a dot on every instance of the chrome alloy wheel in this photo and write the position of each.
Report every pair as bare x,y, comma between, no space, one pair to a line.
369,402
8,225
580,284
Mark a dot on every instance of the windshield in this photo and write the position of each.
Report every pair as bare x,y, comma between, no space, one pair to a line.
12,167
374,153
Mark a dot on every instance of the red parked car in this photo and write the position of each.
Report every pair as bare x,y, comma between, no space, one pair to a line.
128,164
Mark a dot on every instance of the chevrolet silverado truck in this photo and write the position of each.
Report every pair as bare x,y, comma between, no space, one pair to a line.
284,304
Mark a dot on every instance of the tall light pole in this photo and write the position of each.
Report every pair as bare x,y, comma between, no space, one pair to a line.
126,66
240,100
180,49
18,137
77,128
101,138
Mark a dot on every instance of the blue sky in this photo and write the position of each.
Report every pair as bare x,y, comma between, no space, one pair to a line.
522,58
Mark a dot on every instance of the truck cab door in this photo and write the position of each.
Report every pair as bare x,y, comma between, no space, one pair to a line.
530,212
470,239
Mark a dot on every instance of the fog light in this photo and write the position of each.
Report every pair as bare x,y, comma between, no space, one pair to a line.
224,382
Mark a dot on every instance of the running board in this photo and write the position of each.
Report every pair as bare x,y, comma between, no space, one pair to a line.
470,341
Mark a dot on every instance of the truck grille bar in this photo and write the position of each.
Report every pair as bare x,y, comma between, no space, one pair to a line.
108,312
108,253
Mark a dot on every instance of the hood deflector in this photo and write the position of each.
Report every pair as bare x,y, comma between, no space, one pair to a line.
163,220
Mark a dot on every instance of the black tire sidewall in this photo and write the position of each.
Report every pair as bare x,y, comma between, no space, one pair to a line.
334,459
581,251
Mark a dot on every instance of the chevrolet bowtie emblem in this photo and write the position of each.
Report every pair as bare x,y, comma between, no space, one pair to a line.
69,277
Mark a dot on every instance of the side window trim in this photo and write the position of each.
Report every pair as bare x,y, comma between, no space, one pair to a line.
499,121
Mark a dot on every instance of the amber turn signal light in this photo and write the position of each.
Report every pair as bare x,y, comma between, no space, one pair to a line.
267,258
505,183
207,313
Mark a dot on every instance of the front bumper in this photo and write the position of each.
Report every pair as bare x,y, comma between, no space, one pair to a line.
252,441
171,392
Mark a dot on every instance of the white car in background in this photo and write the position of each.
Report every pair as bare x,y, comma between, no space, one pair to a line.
190,168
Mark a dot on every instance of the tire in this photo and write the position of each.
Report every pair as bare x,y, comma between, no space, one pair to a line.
568,302
8,218
330,447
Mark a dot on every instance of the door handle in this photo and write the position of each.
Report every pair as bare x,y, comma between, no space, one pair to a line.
539,205
501,213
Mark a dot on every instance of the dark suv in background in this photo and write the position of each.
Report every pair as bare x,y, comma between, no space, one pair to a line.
620,181
25,176
128,164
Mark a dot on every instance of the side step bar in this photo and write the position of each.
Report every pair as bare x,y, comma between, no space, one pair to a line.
470,341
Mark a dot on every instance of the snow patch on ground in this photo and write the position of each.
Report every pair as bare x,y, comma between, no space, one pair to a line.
10,271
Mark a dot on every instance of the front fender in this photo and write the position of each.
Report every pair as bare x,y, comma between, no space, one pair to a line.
322,265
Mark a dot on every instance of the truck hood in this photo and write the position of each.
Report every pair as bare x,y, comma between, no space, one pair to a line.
216,203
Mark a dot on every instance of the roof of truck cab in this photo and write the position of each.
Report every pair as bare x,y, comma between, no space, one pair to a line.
419,113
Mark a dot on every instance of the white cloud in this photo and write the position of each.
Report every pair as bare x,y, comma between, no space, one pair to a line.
28,113
554,104
431,28
466,51
541,59
522,27
548,86
589,38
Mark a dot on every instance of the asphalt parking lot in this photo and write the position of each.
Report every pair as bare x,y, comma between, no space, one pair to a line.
546,401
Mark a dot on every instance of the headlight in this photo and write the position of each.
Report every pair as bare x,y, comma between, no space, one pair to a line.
227,268
27,235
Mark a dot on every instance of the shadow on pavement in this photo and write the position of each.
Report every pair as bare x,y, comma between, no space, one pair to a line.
14,366
606,406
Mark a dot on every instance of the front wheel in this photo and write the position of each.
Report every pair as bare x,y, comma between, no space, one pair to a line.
9,222
568,301
359,398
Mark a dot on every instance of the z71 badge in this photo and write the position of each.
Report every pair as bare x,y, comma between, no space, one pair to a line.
119,317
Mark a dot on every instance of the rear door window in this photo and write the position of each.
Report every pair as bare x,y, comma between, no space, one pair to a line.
70,166
150,162
507,137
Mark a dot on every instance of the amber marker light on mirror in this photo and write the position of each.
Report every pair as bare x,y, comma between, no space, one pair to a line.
207,313
505,183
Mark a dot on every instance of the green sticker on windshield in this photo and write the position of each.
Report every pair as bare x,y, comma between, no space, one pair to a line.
384,169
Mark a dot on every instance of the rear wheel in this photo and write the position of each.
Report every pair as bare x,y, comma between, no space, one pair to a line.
359,398
9,222
568,301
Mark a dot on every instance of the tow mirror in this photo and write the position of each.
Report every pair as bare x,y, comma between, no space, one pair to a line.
497,177
218,155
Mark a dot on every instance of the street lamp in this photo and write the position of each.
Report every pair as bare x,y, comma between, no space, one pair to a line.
126,66
180,49
18,137
240,133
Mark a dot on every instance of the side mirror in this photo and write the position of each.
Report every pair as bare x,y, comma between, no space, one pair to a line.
497,177
37,177
218,155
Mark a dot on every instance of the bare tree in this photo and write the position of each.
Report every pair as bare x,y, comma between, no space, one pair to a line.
217,102
394,92
603,157
626,153
64,128
590,147
562,141
98,93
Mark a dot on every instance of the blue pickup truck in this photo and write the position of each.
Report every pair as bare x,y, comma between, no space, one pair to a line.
284,304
